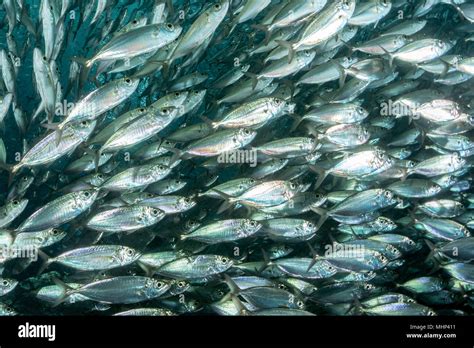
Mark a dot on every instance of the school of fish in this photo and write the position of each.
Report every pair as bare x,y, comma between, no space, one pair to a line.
236,157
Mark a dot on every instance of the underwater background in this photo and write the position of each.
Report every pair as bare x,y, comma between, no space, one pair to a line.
254,157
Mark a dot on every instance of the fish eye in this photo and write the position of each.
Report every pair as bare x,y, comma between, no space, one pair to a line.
253,223
100,176
170,26
177,94
15,202
292,186
129,252
142,110
367,286
225,260
25,178
161,168
387,194
127,80
55,231
300,304
149,195
84,123
44,58
154,211
181,284
164,111
9,309
5,282
187,200
281,286
217,7
310,225
86,194
247,132
159,284
134,21
431,313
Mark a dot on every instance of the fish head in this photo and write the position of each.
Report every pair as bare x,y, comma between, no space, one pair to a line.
220,8
186,203
434,189
223,263
7,285
346,6
87,197
250,227
308,227
171,28
127,85
244,136
53,235
152,214
98,179
156,287
15,206
457,162
127,255
178,287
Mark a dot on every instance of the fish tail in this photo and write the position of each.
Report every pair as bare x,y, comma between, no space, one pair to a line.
265,29
46,261
229,201
288,45
322,174
66,291
253,77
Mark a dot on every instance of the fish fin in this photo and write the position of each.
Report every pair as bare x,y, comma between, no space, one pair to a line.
66,291
342,74
297,119
229,201
12,169
234,289
239,305
289,46
46,261
391,57
358,306
177,154
170,6
253,77
432,255
350,47
51,126
314,255
322,174
264,29
149,271
209,122
86,68
266,261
